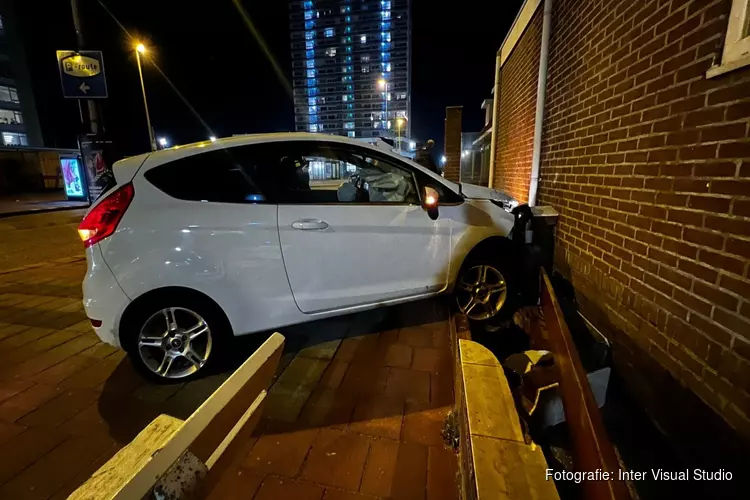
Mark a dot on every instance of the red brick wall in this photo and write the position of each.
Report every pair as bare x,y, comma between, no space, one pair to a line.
648,163
452,168
517,106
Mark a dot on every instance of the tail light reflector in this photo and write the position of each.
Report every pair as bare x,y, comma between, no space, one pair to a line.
103,219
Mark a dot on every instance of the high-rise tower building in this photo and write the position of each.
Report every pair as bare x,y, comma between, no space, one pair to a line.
351,66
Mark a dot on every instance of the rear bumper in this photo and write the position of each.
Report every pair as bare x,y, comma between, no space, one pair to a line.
103,299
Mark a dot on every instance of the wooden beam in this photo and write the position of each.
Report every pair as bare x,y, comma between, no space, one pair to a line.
592,449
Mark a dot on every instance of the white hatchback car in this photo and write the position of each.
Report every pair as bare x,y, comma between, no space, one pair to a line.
198,243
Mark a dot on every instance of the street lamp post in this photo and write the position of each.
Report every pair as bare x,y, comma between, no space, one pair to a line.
399,124
141,49
384,83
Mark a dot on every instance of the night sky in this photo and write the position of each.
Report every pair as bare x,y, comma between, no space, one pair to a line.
214,61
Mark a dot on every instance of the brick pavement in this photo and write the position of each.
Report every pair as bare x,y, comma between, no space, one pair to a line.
354,418
348,388
67,401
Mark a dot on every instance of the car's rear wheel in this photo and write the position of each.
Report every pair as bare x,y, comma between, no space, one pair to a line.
485,290
174,341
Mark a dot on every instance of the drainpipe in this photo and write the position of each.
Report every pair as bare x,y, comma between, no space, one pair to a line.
541,97
495,104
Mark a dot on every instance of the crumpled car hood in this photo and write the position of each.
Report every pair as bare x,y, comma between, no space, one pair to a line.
474,192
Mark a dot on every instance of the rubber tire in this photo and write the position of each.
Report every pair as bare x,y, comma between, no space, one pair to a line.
503,264
217,323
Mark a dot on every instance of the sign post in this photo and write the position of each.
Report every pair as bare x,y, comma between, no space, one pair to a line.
82,77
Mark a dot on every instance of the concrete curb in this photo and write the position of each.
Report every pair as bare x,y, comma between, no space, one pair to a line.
495,459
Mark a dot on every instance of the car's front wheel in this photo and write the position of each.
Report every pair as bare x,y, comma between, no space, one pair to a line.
485,291
173,341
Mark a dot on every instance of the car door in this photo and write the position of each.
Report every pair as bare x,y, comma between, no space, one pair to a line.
352,230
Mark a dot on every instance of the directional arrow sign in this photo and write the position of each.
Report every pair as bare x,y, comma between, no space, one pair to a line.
82,74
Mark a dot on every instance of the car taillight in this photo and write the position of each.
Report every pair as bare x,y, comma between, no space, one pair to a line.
104,218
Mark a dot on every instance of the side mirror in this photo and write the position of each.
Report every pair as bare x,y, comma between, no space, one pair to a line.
430,199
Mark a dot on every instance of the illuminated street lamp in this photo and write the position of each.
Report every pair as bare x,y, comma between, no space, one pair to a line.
163,142
399,124
384,83
443,159
141,49
212,138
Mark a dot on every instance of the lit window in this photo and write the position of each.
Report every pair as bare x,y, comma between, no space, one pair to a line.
311,73
401,96
309,35
346,9
331,52
13,139
365,69
349,49
386,36
312,109
385,14
329,32
344,97
345,79
312,101
348,59
350,106
345,69
309,25
310,63
363,39
310,44
307,4
10,117
386,66
349,125
8,94
385,56
309,53
312,91
313,127
348,29
386,5
311,82
308,14
376,124
737,40
350,133
365,58
385,26
348,19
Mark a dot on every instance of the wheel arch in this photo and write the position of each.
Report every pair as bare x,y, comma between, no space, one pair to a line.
492,244
172,292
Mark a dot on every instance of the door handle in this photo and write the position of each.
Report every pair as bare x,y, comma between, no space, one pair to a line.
310,224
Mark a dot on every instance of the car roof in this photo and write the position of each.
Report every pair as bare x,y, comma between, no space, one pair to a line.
176,152
181,151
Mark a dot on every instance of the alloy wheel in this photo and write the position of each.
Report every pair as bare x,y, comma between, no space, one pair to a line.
174,342
481,292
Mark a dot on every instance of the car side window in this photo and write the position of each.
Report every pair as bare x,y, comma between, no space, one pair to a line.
230,175
319,172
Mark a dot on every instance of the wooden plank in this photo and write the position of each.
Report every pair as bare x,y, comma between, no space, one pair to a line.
145,460
508,470
126,463
591,446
